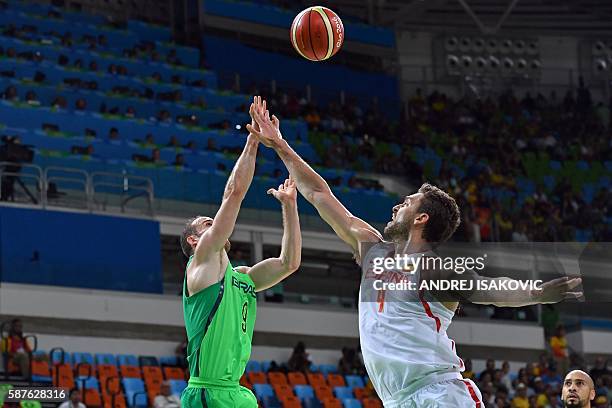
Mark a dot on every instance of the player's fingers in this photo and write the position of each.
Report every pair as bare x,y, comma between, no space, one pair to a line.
280,187
559,281
275,120
286,183
573,295
264,105
574,283
270,191
252,130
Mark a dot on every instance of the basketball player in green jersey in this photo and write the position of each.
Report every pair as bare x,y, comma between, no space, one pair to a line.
219,302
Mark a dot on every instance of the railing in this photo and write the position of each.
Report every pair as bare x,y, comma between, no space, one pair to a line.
75,188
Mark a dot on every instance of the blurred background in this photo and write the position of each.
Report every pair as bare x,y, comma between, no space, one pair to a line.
120,119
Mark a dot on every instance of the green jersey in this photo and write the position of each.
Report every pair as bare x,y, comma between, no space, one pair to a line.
219,322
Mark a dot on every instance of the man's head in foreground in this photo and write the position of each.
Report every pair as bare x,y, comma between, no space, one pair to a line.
193,231
578,390
430,214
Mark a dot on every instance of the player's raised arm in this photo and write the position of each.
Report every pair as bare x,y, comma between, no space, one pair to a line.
271,271
236,188
313,187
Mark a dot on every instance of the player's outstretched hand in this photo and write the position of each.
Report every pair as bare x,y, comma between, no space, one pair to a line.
286,192
269,128
557,290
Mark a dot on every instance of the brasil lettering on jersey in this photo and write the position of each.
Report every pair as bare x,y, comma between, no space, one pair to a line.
245,287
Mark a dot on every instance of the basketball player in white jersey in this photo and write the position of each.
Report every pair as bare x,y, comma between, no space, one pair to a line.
409,358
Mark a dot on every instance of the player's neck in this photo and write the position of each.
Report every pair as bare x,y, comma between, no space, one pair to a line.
411,246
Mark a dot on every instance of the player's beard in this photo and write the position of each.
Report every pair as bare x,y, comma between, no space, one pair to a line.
398,231
578,404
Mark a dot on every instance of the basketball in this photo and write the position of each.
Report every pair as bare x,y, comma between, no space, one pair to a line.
317,33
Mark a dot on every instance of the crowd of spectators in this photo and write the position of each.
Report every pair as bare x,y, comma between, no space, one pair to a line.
495,135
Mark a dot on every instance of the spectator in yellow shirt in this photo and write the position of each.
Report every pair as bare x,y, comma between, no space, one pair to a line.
558,345
520,400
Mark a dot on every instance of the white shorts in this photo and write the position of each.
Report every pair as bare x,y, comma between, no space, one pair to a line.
444,394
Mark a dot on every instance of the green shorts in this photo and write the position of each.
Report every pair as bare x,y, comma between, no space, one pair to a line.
218,398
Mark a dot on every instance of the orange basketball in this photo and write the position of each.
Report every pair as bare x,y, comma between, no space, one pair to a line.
317,33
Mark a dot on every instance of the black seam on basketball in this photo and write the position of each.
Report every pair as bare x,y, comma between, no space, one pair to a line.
310,36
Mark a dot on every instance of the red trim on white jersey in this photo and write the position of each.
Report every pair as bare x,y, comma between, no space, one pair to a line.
473,393
428,310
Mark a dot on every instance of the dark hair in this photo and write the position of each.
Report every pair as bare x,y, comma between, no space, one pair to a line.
190,229
443,214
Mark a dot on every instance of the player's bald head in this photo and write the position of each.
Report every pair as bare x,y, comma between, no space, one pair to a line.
578,390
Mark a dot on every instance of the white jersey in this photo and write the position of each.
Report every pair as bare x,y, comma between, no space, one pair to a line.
403,335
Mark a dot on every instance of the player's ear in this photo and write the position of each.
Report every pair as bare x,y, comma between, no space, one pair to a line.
421,219
192,240
592,395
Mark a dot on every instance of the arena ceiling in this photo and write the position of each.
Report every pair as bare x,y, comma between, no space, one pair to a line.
586,17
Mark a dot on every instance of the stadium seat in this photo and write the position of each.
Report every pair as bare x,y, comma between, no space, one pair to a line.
332,403
265,365
371,403
323,392
168,361
84,370
311,403
56,357
354,381
296,378
107,370
277,378
119,400
290,401
151,373
257,377
303,391
106,359
134,392
362,392
88,384
177,386
128,371
62,376
263,390
253,366
335,380
282,390
343,392
79,358
351,403
271,402
174,373
327,369
127,360
316,379
41,371
148,361
110,385
245,382
92,398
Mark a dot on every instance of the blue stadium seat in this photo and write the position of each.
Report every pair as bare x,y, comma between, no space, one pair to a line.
177,386
351,403
148,361
78,358
343,392
354,381
168,361
265,365
311,403
56,358
135,395
263,390
271,402
127,359
328,369
303,391
88,384
253,366
105,359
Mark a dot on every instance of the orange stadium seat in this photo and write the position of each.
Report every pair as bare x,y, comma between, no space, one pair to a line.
315,379
297,378
107,370
245,382
151,372
110,385
41,368
153,387
290,402
130,371
283,390
371,403
277,378
361,393
257,377
174,373
62,376
332,403
323,392
335,380
119,400
92,398
85,370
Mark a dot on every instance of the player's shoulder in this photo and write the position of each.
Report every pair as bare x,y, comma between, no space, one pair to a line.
242,269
